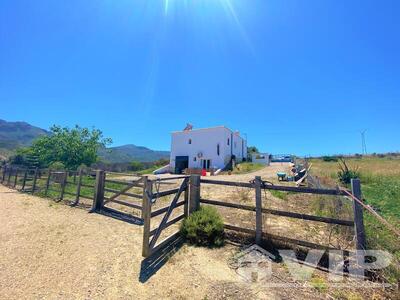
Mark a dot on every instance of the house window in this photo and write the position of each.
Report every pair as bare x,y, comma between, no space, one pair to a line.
190,141
206,163
218,149
194,158
228,141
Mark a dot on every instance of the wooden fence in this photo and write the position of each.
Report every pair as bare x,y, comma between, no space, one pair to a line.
107,191
261,212
49,183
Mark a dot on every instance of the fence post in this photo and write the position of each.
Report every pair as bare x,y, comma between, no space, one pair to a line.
47,183
99,191
186,205
194,193
358,215
16,178
9,176
259,220
3,177
78,188
146,215
63,184
34,181
24,180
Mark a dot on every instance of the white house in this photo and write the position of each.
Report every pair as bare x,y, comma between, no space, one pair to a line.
260,158
206,148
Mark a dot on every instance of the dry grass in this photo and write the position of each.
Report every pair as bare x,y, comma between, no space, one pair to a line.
371,165
380,182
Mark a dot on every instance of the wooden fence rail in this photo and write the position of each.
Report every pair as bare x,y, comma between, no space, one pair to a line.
43,180
262,213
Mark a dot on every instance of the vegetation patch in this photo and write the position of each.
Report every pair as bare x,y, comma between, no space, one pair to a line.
346,173
330,158
247,167
204,227
280,194
71,147
380,184
319,284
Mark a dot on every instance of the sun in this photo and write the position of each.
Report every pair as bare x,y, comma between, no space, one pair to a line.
205,7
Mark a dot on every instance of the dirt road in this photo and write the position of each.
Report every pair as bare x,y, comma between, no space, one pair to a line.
267,173
53,251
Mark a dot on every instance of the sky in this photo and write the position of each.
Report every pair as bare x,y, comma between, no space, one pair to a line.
302,77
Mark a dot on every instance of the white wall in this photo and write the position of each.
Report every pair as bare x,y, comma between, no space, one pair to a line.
206,141
260,158
239,147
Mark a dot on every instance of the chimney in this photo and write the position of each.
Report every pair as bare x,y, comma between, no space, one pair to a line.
188,127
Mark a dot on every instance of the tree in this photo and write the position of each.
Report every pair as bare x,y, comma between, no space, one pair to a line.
136,166
252,149
71,147
161,162
57,166
25,157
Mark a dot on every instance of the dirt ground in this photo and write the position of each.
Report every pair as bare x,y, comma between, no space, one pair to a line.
268,173
49,250
52,251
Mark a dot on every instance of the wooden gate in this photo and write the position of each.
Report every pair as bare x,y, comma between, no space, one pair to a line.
121,196
152,236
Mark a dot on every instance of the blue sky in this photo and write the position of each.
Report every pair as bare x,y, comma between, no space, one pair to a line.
300,77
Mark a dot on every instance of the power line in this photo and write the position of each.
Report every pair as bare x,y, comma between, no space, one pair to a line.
363,142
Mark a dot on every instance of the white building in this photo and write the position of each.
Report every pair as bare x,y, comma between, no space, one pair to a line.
206,148
260,158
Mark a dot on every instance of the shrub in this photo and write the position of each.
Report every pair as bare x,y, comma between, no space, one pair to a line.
137,166
345,173
83,167
204,227
57,166
319,284
330,158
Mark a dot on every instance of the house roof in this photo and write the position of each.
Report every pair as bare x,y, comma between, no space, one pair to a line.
207,128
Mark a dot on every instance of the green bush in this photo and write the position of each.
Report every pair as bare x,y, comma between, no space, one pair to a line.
345,173
83,167
137,166
57,166
204,227
330,158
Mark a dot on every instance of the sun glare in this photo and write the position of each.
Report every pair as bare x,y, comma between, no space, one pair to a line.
205,7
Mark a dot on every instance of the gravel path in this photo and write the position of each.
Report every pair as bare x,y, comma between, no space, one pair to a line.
53,251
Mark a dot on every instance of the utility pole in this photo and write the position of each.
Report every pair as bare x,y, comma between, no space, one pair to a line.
363,143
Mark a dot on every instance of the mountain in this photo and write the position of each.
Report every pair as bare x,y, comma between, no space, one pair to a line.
128,153
14,135
17,134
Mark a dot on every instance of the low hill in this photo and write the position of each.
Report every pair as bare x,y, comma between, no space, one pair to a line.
17,134
128,153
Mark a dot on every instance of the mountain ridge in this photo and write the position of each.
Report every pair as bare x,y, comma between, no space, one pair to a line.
130,152
14,135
